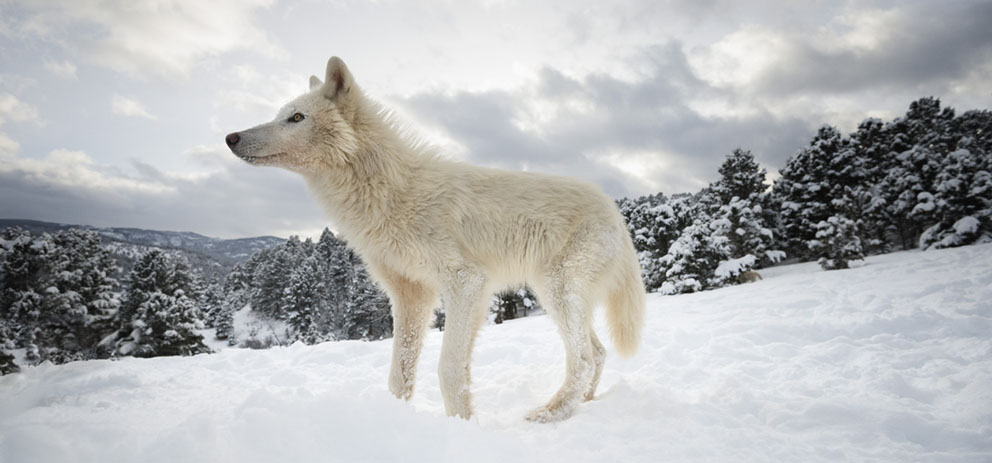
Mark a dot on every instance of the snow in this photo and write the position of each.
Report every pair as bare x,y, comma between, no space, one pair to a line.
733,267
249,327
775,255
890,361
966,225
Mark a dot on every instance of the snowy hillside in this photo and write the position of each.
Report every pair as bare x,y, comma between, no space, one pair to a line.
226,251
889,361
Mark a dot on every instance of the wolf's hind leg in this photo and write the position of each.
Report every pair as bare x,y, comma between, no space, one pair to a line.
599,358
569,313
569,291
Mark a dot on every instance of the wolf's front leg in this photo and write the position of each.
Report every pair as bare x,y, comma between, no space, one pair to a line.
412,303
465,312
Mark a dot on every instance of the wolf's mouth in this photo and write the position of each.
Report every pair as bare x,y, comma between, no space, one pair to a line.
258,159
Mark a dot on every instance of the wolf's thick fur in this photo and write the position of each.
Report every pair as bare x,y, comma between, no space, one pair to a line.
429,228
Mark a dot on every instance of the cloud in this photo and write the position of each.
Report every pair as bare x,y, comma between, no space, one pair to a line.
61,68
859,49
8,147
76,170
129,107
631,137
231,199
147,38
13,109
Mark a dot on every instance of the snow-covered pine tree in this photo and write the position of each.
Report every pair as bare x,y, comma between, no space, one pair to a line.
803,190
742,223
730,233
367,314
271,277
836,242
961,203
212,303
149,274
742,200
870,144
919,141
83,272
975,125
335,260
654,223
512,304
20,271
7,364
157,317
57,293
235,295
304,299
692,260
740,177
166,324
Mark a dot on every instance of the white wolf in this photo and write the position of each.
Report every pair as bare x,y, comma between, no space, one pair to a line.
429,228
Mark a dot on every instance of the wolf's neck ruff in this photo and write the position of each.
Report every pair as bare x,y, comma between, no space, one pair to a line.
370,191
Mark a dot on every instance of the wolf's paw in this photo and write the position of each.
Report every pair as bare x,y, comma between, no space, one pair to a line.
400,388
546,414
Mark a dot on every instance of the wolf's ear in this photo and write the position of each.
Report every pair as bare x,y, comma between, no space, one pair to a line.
315,82
338,81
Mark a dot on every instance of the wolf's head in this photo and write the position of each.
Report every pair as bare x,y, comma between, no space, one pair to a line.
316,129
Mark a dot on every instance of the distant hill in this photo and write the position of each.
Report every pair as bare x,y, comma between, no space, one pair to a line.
215,256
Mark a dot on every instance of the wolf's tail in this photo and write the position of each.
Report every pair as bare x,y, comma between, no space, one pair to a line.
625,304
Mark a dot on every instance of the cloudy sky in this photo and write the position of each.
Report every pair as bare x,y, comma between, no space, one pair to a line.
113,112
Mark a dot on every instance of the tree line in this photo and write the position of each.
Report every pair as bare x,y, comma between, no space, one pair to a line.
921,180
63,298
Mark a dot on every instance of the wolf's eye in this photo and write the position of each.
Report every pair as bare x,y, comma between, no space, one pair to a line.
296,118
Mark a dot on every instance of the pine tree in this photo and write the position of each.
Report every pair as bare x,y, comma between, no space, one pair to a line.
961,203
339,263
20,271
212,303
740,177
920,140
740,209
692,260
836,242
870,145
148,275
57,293
804,191
438,321
166,325
512,304
367,313
86,299
158,317
303,300
654,223
7,364
234,297
271,277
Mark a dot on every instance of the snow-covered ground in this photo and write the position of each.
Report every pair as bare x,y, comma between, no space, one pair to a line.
890,361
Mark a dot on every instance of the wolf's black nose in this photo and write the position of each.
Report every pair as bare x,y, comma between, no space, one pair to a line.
232,139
